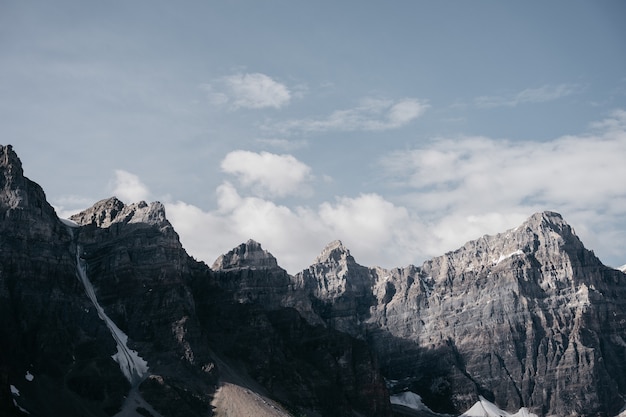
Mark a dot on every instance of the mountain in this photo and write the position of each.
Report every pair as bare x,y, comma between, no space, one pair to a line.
107,315
526,318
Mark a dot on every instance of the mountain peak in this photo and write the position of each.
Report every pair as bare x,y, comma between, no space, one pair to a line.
549,223
17,191
111,210
334,252
8,158
547,219
246,255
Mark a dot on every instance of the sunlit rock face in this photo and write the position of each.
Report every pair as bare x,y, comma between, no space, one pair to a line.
527,318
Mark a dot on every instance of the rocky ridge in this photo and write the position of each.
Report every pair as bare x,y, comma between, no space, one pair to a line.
527,318
197,330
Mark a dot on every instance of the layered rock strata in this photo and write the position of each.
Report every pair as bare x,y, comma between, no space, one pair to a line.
524,318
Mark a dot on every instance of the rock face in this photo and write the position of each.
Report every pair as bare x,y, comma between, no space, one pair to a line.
142,276
527,318
44,328
524,318
312,369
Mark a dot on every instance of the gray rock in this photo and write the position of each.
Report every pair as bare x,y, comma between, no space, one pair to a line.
527,318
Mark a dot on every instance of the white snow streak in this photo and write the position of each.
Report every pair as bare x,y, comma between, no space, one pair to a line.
132,365
409,399
15,391
29,377
503,257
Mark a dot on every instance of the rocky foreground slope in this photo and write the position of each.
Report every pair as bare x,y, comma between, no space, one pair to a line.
528,318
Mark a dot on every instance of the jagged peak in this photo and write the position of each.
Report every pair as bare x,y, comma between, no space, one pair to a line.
16,190
545,219
246,255
111,210
547,223
334,252
8,157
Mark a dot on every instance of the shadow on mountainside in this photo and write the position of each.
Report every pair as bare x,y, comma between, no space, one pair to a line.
309,370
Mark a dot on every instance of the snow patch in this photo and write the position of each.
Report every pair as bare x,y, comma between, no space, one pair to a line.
484,408
14,391
622,268
409,399
504,257
134,368
19,408
29,377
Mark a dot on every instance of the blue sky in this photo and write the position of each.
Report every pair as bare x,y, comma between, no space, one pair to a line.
402,128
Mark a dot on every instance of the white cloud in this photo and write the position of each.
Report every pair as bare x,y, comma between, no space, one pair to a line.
128,187
498,183
454,191
68,205
373,228
267,173
369,115
529,95
253,91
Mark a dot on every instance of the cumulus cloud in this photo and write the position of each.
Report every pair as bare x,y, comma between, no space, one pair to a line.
267,173
529,95
128,187
369,115
253,91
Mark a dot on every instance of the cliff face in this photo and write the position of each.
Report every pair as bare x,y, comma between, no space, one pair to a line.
49,345
525,318
142,275
312,369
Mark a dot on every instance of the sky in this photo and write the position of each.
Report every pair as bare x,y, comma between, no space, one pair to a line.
403,129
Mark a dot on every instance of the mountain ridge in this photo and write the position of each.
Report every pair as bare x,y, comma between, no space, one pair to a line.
524,318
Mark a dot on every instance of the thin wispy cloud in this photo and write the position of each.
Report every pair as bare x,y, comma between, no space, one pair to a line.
283,144
250,90
529,95
370,115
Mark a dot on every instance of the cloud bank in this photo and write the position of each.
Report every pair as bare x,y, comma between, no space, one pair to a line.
445,192
449,191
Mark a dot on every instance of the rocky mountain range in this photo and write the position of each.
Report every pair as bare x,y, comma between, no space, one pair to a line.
105,314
